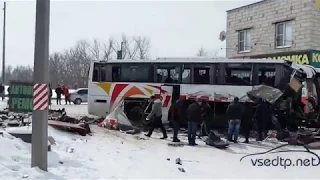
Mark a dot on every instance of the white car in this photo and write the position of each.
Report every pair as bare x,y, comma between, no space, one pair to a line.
79,96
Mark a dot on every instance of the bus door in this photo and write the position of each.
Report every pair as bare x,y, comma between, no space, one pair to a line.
166,97
175,91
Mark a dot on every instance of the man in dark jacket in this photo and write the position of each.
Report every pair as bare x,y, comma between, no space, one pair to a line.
156,117
174,116
2,91
234,113
263,116
59,92
207,115
247,120
194,119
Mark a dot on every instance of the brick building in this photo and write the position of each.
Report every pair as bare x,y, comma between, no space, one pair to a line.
278,29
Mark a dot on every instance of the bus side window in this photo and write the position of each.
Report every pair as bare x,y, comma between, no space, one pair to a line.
168,74
115,74
136,73
238,74
95,76
267,75
103,73
162,75
201,75
186,75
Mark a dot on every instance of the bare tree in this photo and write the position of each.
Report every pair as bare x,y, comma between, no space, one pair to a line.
108,49
143,47
95,49
72,66
202,52
22,73
57,68
128,46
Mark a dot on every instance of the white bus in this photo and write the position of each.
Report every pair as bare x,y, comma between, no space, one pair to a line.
132,82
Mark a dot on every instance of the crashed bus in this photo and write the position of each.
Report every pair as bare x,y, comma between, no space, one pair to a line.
130,83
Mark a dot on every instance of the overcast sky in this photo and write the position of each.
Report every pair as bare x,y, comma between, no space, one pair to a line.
175,28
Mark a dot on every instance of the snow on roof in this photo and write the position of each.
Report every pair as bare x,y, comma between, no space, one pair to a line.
248,5
194,60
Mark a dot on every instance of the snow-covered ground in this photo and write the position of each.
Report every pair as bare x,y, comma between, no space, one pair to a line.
72,110
114,155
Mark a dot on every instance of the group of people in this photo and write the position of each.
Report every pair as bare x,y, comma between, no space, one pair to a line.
61,90
244,115
200,114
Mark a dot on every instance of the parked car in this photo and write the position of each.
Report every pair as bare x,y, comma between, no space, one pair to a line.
79,96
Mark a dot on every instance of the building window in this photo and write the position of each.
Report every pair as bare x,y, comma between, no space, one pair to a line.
283,34
244,41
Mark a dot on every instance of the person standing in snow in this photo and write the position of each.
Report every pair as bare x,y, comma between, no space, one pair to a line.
235,114
263,116
207,116
2,91
194,119
247,120
59,92
174,116
156,117
66,94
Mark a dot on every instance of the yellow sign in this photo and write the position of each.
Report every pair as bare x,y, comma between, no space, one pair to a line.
316,57
298,59
318,4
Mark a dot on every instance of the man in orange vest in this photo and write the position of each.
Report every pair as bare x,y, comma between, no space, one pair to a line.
66,94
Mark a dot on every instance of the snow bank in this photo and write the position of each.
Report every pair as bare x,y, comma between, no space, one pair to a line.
15,160
114,155
19,130
111,154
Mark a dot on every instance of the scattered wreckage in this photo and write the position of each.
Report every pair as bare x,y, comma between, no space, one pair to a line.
290,118
57,119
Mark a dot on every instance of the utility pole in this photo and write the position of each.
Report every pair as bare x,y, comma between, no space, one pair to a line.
4,47
39,154
120,52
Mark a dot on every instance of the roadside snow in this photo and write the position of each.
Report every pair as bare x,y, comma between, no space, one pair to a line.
73,110
114,155
111,154
19,130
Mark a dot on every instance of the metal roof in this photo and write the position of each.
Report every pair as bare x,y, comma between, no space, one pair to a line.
193,60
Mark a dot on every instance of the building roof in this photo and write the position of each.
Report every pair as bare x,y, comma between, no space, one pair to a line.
252,4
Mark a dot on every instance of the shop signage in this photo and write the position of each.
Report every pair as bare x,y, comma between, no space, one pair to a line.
311,57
